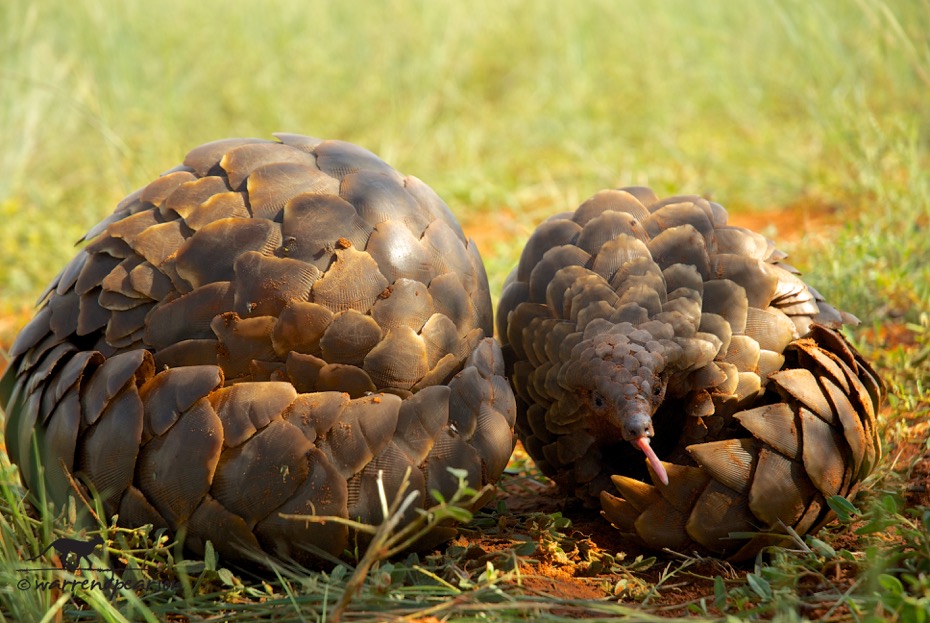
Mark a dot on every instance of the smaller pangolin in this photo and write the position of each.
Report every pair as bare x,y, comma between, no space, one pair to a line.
636,326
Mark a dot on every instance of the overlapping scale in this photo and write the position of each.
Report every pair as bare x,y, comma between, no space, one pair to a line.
246,408
350,337
265,284
611,200
232,536
352,282
254,478
219,206
398,253
187,197
399,360
175,470
206,158
61,435
240,162
380,197
315,225
406,303
300,327
271,186
548,235
108,450
338,159
446,256
209,255
324,493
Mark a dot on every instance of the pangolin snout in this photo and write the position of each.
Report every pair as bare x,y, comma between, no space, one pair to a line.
637,429
636,426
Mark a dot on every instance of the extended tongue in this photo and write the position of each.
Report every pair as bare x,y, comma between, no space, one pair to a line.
643,444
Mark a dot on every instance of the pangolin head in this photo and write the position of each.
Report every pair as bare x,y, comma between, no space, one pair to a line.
620,376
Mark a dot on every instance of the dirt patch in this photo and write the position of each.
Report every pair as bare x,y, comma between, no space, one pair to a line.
585,562
581,559
890,335
588,562
487,228
805,218
553,581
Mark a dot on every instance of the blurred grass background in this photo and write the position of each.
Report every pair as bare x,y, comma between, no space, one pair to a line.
510,109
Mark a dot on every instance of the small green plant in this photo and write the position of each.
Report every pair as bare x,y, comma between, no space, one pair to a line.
898,554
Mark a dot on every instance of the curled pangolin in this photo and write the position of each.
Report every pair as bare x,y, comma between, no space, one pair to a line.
259,332
637,326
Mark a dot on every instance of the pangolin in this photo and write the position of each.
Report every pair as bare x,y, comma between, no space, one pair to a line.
637,326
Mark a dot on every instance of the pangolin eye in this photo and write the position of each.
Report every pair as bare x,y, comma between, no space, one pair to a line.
657,390
598,400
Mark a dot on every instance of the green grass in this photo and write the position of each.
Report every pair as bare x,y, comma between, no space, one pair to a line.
528,107
510,110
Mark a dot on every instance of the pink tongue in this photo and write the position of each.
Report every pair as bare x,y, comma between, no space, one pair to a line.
643,444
